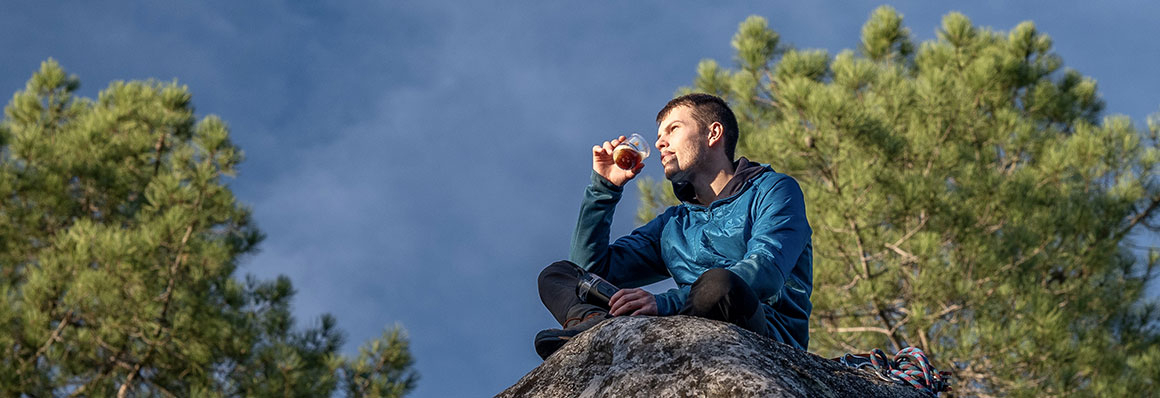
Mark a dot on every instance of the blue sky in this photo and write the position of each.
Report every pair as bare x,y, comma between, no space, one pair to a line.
420,162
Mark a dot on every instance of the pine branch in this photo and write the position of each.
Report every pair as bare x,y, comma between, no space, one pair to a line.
922,219
167,297
55,336
861,250
861,329
935,152
853,282
906,256
378,368
107,367
890,331
1138,218
158,148
925,343
948,310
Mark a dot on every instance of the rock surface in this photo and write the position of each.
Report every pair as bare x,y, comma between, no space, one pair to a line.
683,356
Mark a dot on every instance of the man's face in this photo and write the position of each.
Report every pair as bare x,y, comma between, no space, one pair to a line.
681,142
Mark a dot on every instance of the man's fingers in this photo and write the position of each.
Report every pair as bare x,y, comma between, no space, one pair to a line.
629,303
616,302
611,144
635,170
622,301
625,308
616,298
607,147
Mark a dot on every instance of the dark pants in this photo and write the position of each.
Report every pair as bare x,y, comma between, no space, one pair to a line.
717,294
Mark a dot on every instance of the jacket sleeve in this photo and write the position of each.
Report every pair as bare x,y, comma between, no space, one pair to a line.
779,235
633,260
671,301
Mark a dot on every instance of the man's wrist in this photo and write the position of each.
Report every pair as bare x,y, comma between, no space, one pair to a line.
601,182
663,304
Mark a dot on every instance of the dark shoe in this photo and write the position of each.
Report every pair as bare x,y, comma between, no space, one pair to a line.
549,340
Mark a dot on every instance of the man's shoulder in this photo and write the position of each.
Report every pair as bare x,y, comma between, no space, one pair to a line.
674,211
770,179
773,187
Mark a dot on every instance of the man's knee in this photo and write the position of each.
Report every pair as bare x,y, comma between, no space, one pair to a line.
556,270
721,295
713,287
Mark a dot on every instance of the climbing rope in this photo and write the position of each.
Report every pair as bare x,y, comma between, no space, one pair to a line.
909,367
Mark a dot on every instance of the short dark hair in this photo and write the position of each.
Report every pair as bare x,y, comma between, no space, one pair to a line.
707,109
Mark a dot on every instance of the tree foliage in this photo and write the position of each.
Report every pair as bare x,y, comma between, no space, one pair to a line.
967,198
119,241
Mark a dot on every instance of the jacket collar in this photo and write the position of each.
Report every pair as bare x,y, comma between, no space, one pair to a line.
743,172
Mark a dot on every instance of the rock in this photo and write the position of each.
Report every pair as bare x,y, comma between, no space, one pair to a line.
680,356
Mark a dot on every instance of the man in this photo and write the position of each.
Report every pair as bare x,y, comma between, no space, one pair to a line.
738,247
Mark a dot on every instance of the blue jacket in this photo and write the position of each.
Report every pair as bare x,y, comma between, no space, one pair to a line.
759,233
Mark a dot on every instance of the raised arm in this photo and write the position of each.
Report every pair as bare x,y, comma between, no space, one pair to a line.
631,261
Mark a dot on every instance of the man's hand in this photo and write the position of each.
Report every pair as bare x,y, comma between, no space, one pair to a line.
635,301
603,164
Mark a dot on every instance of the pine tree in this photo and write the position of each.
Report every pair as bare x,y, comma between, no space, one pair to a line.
119,242
966,198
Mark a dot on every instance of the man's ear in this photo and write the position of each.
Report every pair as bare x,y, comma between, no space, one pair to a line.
716,134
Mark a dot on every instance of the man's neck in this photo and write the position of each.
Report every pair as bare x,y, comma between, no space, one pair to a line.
709,184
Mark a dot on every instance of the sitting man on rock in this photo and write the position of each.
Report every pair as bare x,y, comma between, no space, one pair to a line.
738,246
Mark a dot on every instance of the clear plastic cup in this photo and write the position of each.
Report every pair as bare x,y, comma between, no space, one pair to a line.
630,152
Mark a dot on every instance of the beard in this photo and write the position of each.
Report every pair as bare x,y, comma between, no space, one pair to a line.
682,181
678,175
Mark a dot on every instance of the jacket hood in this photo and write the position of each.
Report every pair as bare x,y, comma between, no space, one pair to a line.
743,171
